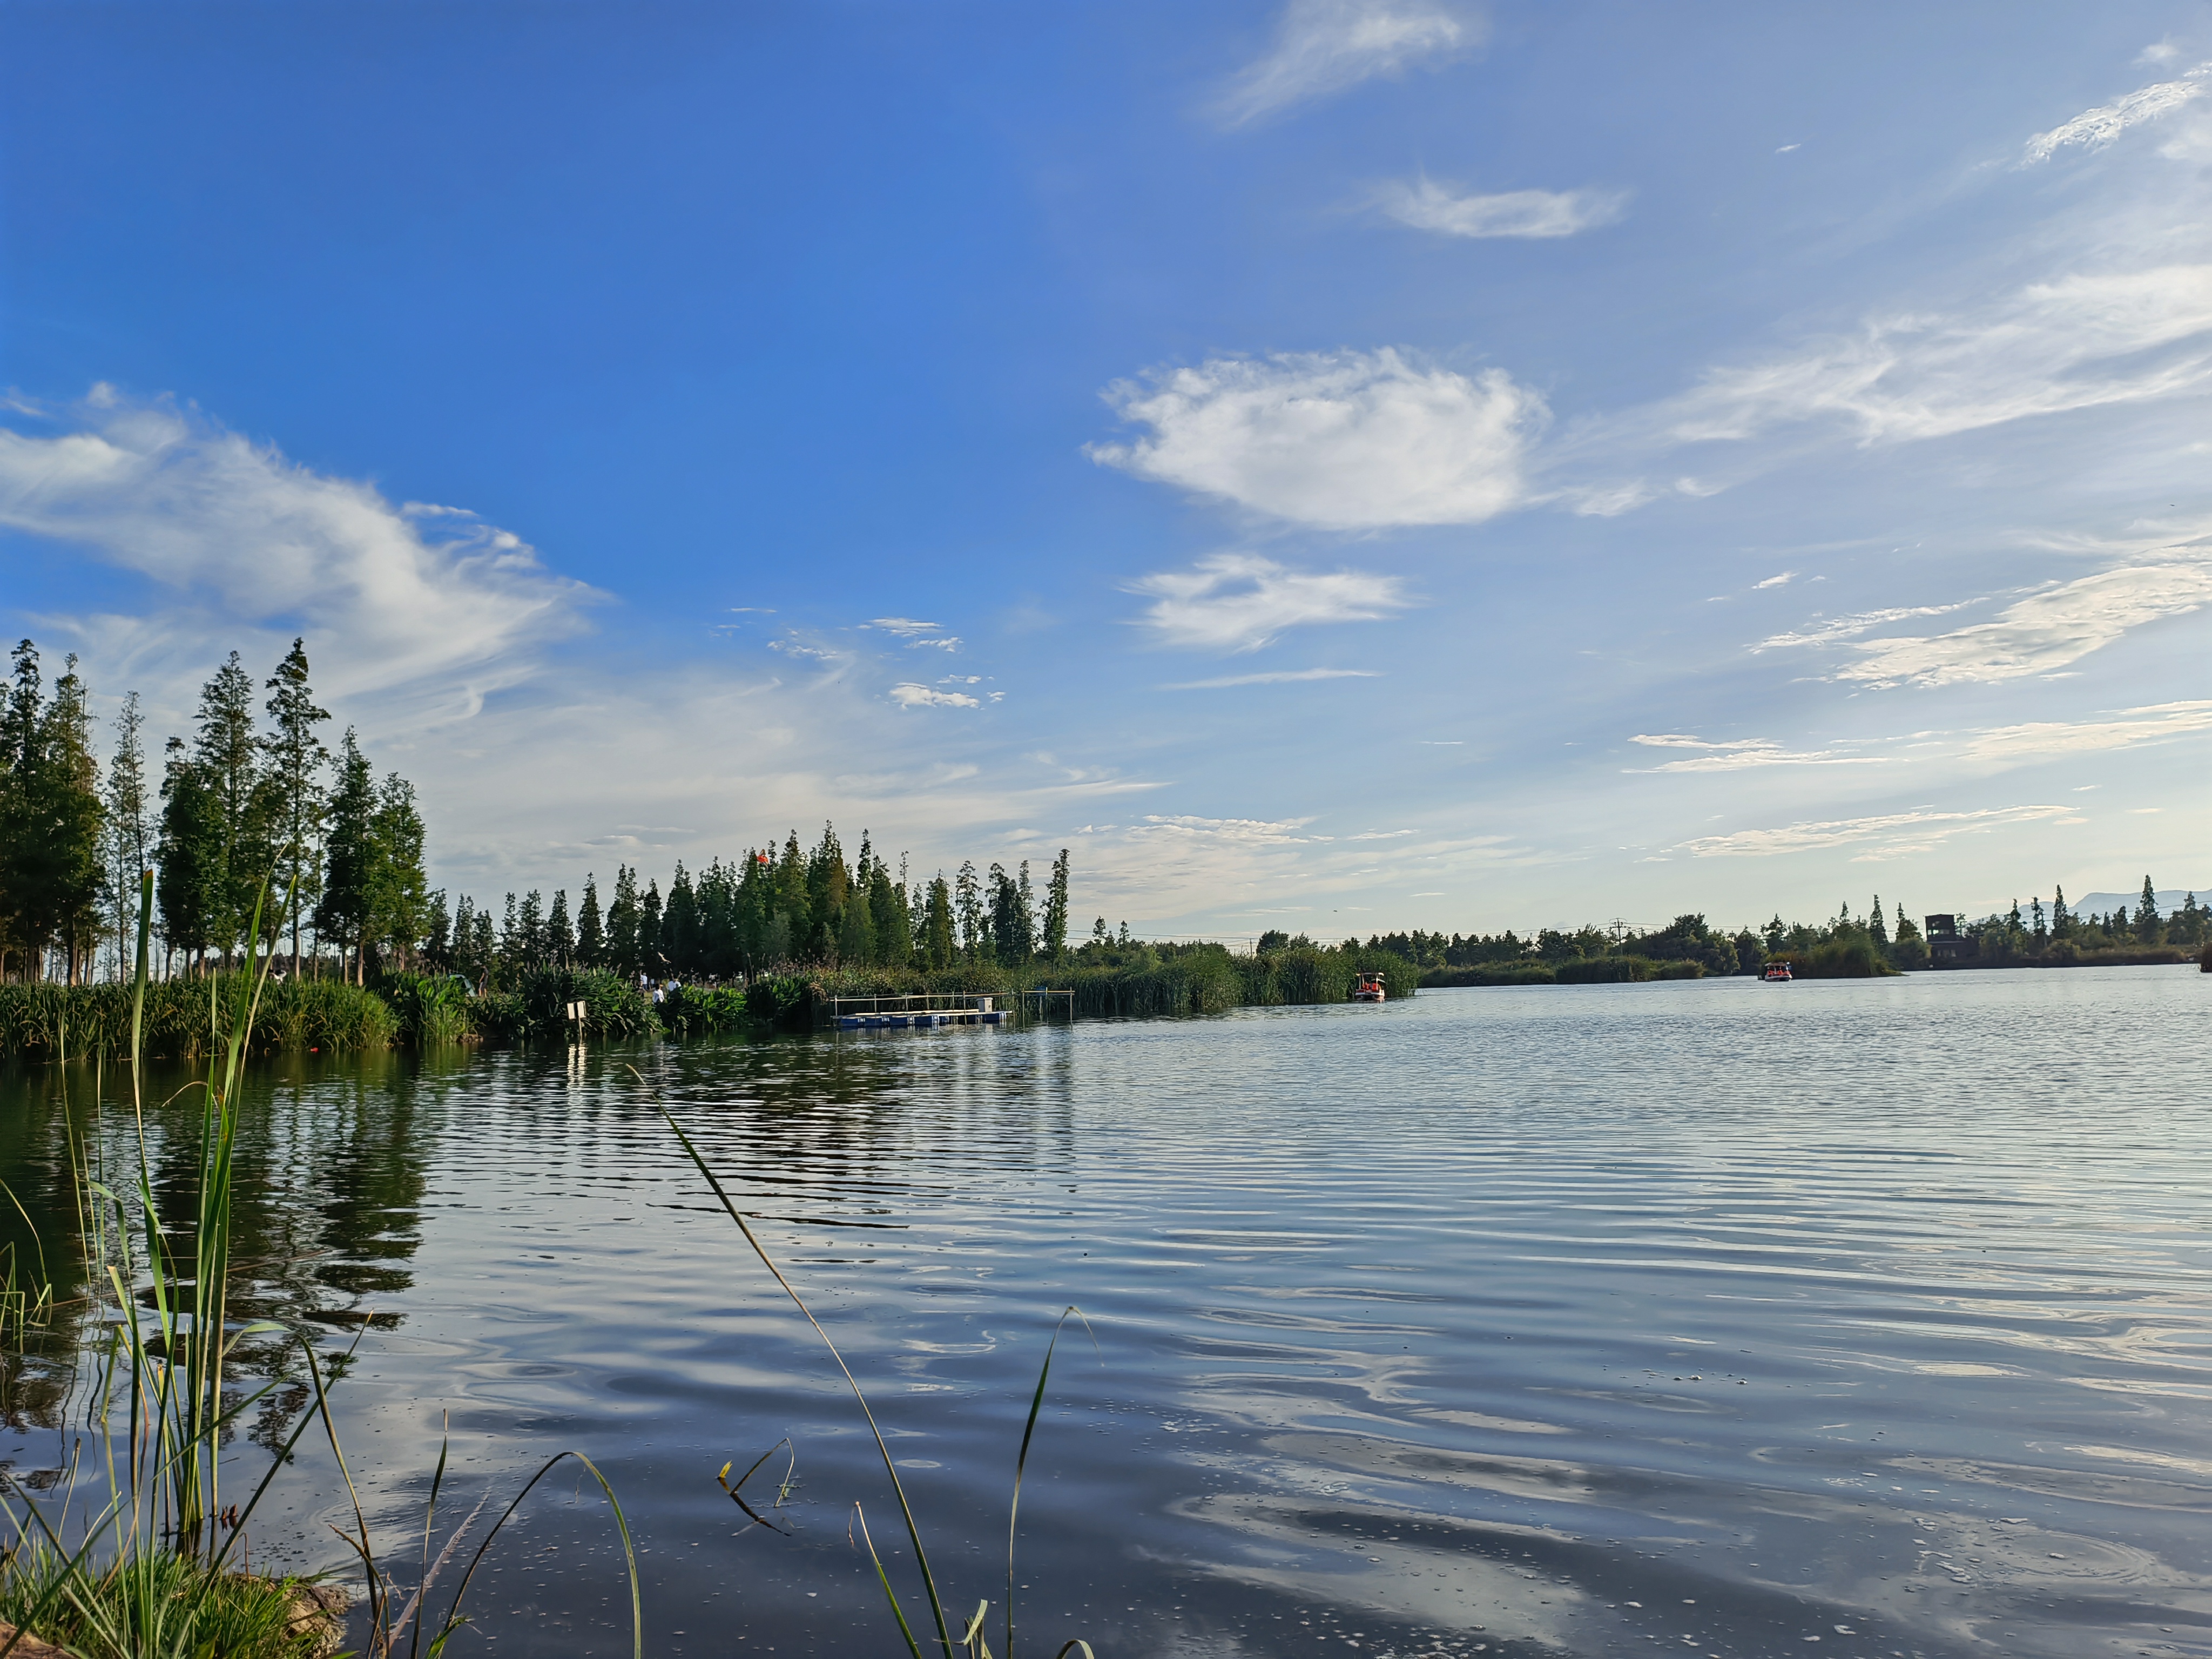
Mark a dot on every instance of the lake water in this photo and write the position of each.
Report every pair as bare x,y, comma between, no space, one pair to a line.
1709,1317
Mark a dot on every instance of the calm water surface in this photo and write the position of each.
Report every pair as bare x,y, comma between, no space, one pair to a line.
1722,1317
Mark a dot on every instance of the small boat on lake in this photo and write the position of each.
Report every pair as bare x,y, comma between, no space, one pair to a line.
1369,988
1777,973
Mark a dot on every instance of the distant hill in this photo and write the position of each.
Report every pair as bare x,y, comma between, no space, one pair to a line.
2103,904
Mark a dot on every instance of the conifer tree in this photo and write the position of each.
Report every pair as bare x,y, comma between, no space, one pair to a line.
968,911
560,943
69,818
1055,910
228,755
530,930
856,932
189,858
51,863
2147,928
437,936
129,831
648,931
827,882
890,921
679,925
399,893
1875,925
591,942
293,761
346,905
937,926
622,924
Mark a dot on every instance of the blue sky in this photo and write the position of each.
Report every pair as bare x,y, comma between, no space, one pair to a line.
1340,465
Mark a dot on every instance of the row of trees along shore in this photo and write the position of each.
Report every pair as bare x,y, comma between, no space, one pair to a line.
238,804
1871,943
767,910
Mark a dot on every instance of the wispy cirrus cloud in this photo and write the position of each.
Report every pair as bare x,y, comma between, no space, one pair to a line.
1830,630
2039,635
1737,754
1239,601
392,597
1324,46
2128,728
1888,834
2094,129
2079,341
1424,204
1343,440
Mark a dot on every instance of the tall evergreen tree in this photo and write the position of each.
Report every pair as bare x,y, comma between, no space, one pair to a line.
1055,909
591,940
190,858
72,821
968,910
400,892
650,960
293,759
228,755
2147,920
679,925
622,924
438,936
1875,924
560,943
937,925
530,930
130,831
346,906
827,882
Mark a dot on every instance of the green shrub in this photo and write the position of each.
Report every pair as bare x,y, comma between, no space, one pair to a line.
1606,970
1852,957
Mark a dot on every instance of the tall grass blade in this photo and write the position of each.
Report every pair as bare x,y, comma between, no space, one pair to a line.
890,1469
1022,1462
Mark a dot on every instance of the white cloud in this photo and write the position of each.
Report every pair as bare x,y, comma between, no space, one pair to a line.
2094,129
1737,755
1892,833
1782,580
1240,601
2016,746
1323,47
2158,52
1285,677
910,696
905,626
1427,206
1845,628
2040,634
2079,342
239,537
1345,439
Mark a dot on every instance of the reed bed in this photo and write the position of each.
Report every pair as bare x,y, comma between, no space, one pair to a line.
189,1019
153,1566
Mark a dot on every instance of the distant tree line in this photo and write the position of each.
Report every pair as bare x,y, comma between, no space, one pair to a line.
245,801
770,910
1874,939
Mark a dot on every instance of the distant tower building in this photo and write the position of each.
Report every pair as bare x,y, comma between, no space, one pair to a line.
1947,945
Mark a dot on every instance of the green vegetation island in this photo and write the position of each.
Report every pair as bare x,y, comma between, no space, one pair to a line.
361,952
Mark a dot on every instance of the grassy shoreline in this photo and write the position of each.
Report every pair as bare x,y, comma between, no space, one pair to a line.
190,1018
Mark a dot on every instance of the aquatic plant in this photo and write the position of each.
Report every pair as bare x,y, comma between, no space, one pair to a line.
148,1573
970,1641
